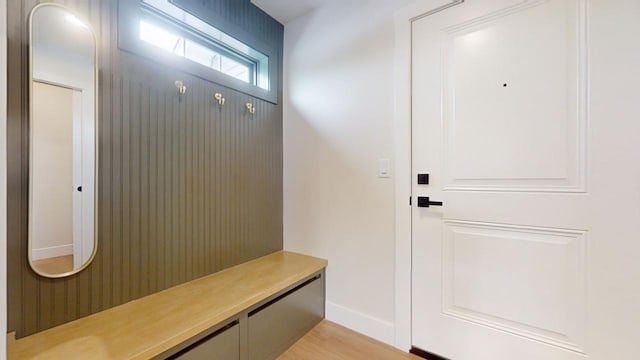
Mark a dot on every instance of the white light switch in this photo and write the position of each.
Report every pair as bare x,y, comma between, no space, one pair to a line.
384,168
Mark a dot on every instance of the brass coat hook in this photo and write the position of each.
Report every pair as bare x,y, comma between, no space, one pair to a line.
219,98
251,108
182,89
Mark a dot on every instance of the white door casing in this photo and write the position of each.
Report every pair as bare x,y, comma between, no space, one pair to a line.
510,117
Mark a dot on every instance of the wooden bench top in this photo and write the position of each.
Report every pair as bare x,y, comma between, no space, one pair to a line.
151,325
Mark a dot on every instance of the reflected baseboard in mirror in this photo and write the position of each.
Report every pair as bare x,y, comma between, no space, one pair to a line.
63,132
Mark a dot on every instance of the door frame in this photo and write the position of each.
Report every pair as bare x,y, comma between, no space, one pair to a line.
404,18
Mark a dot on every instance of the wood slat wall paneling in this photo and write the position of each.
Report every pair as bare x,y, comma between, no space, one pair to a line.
186,188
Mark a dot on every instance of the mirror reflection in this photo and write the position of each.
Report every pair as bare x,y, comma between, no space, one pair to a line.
62,176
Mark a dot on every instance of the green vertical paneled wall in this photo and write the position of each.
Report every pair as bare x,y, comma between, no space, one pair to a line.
186,188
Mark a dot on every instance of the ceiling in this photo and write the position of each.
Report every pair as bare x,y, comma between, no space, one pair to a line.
287,10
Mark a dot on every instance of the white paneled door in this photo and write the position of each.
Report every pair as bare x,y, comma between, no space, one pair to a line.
523,234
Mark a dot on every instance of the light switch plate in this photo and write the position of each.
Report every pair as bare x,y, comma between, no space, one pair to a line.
384,168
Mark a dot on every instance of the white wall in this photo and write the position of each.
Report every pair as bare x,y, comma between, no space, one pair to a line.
3,178
52,153
338,112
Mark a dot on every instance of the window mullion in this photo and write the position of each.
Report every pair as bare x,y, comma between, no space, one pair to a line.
194,44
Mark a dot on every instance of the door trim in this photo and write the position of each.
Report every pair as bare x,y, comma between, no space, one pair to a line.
404,18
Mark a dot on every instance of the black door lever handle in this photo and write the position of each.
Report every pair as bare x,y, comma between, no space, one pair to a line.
423,201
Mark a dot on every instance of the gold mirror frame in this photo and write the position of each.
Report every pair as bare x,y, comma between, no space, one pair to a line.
96,143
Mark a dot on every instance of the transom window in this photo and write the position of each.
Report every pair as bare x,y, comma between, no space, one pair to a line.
170,28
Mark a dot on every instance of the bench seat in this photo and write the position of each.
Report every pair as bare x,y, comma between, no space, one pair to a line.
152,326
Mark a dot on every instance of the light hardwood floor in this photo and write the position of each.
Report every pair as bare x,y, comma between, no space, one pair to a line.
56,265
328,341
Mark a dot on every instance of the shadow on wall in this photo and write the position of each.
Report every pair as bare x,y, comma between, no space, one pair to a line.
338,122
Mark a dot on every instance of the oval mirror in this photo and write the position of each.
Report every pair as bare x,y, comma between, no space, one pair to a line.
62,166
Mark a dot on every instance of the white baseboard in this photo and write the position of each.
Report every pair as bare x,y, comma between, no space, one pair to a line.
367,325
54,251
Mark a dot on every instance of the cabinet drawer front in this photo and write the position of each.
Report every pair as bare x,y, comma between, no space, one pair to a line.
220,346
274,328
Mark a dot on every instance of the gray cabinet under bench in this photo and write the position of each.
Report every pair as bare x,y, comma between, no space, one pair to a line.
264,331
221,345
278,324
253,311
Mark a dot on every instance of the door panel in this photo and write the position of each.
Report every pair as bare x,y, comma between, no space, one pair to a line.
522,280
502,92
516,72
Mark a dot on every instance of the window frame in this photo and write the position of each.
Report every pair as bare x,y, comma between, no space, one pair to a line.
130,13
170,25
